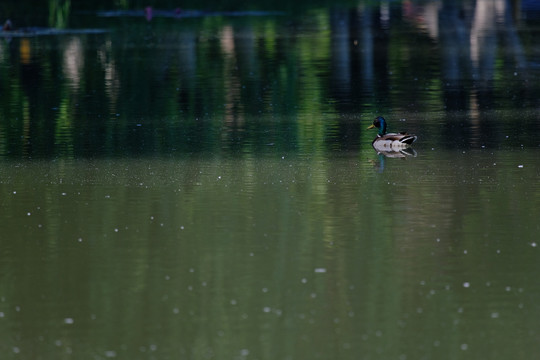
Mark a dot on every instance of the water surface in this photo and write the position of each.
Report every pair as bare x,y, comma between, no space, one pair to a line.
205,187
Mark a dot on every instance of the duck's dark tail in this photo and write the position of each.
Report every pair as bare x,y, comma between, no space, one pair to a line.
409,139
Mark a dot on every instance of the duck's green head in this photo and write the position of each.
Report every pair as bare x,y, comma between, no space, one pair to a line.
379,123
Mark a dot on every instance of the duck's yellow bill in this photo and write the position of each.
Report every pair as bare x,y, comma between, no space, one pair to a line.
371,127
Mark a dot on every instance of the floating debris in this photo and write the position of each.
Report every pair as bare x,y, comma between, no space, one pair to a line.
150,13
110,353
44,31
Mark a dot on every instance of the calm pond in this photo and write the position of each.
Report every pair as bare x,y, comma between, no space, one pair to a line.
178,184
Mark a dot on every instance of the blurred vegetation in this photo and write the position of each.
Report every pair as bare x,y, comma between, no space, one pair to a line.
264,83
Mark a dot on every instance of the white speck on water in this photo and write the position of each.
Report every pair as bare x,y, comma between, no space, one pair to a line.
110,353
460,310
203,283
190,288
378,333
234,302
320,270
533,244
1,314
167,277
107,196
264,290
175,310
466,284
68,321
17,308
28,213
267,309
464,347
494,315
498,251
438,240
244,352
313,295
465,252
79,239
181,227
64,194
508,288
115,230
520,166
16,350
304,280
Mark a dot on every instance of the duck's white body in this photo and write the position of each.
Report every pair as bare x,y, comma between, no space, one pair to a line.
393,142
390,141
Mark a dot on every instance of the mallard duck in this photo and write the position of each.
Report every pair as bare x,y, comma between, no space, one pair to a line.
390,141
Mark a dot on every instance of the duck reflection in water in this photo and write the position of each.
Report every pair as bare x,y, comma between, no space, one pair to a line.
391,144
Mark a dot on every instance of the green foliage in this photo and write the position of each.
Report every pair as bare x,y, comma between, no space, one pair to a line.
237,84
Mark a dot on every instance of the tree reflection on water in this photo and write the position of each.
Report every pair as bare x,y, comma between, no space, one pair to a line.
267,83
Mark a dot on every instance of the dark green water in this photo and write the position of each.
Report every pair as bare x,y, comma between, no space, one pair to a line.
205,188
